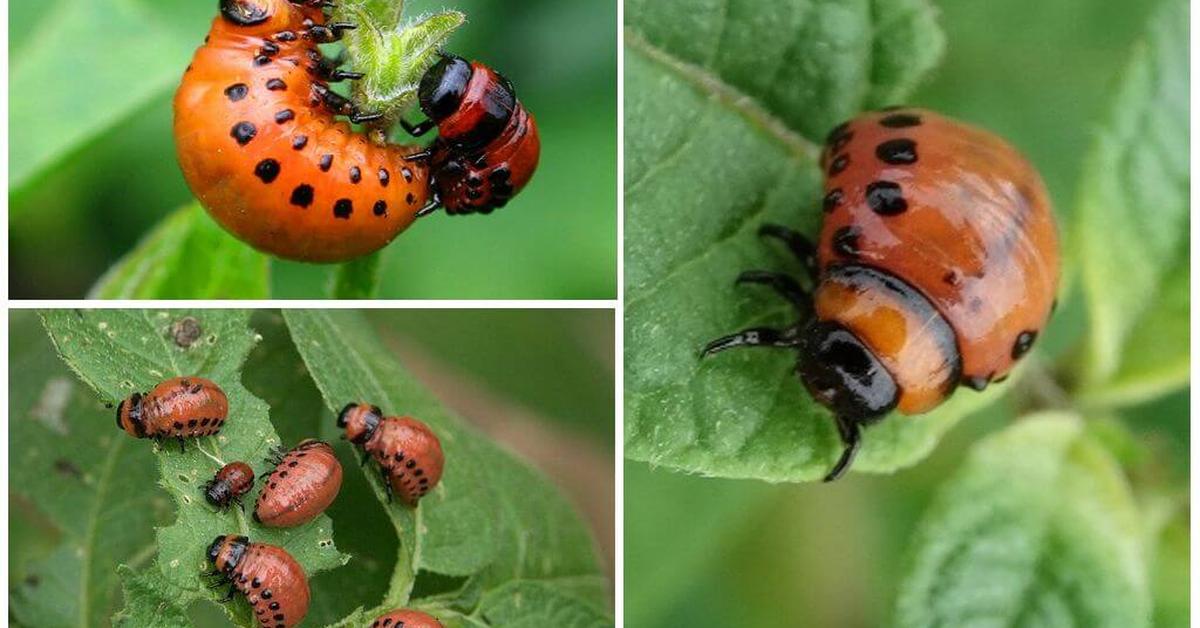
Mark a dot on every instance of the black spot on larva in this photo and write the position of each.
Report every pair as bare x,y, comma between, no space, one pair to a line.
299,142
474,194
410,199
898,152
355,174
380,208
261,60
952,278
267,170
1023,344
302,196
266,594
269,49
839,164
177,425
900,120
204,422
343,208
276,85
243,132
274,606
284,116
385,177
237,91
845,241
832,200
410,464
192,423
840,134
285,36
256,583
885,198
407,174
326,162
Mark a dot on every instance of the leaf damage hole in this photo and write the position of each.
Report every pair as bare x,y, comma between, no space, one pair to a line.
52,403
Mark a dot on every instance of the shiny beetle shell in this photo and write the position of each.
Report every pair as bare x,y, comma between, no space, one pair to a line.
259,143
273,582
958,215
488,145
937,265
301,486
405,618
408,452
180,407
231,482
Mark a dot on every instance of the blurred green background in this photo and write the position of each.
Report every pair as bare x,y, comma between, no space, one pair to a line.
93,163
748,554
540,382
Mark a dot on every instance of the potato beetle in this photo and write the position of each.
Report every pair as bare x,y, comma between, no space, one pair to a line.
406,618
937,265
273,582
408,452
487,146
260,144
304,482
179,408
231,482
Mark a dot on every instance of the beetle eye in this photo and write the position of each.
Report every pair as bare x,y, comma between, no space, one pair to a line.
442,88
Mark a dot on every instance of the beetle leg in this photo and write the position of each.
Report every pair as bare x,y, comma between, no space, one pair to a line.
802,247
429,208
229,596
783,284
419,156
182,447
754,337
850,433
418,129
387,484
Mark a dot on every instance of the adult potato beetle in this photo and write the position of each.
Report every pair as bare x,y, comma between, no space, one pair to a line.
937,265
179,408
273,582
304,482
408,452
487,146
231,482
406,618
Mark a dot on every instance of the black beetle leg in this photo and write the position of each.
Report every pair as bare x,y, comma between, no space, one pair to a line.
849,431
754,337
802,247
418,129
783,284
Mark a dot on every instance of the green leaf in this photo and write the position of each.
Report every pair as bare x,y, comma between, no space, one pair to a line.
393,53
117,352
54,114
725,106
187,256
151,602
1131,229
1039,528
357,279
492,521
77,478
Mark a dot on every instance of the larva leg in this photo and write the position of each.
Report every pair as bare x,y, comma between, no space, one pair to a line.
849,431
802,247
754,337
783,284
418,129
